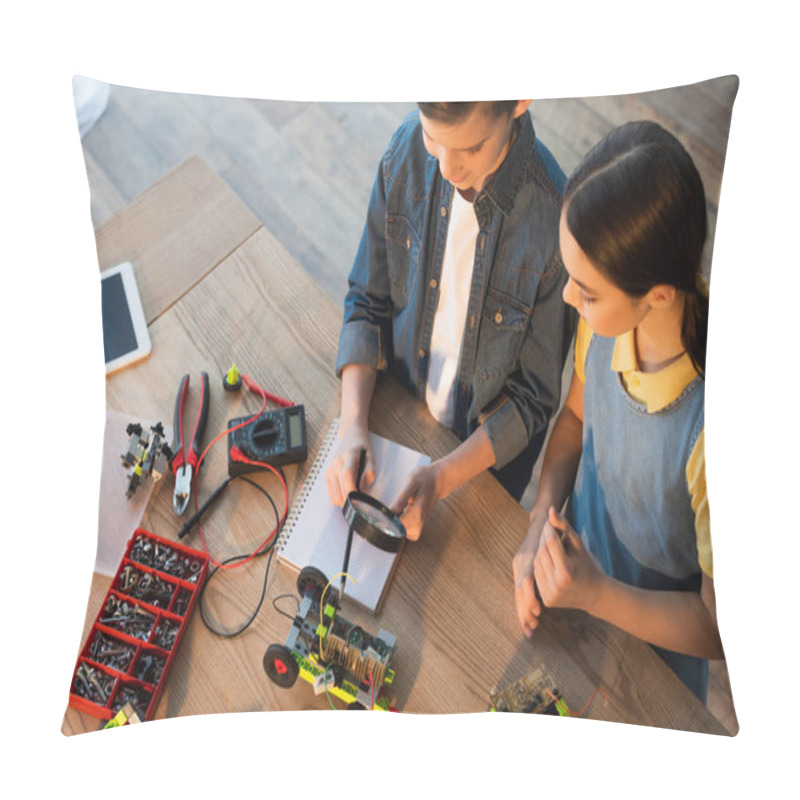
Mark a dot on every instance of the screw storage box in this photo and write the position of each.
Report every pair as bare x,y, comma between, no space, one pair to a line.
131,645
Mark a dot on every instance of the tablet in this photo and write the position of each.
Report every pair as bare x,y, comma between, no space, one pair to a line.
125,336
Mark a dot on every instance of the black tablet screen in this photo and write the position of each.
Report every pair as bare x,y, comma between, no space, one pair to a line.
118,334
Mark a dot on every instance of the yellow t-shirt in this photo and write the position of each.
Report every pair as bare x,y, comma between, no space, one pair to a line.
655,390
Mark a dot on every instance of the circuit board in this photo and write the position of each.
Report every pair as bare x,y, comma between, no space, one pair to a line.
365,657
535,693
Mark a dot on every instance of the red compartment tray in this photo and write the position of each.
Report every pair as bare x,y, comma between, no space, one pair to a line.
131,646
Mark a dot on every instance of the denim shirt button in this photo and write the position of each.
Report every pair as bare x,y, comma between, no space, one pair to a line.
408,243
421,353
498,317
433,283
443,211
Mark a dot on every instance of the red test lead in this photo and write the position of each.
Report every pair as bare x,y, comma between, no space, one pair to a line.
238,456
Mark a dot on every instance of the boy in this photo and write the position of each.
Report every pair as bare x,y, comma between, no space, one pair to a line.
456,287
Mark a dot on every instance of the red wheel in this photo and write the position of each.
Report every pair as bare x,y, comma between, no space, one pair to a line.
281,666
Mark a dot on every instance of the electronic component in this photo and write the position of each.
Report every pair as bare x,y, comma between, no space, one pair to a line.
147,456
533,694
331,653
276,437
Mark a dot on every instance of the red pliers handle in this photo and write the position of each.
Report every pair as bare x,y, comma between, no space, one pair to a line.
184,465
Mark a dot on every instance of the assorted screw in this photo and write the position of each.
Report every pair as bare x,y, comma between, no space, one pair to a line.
166,633
148,601
165,559
128,618
148,667
138,697
145,587
182,602
93,684
111,652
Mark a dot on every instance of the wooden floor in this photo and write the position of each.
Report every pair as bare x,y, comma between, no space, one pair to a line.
306,170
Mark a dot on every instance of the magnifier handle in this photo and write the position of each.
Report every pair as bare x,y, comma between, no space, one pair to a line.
346,560
362,460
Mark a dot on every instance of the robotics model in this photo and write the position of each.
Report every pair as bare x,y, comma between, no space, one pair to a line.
330,653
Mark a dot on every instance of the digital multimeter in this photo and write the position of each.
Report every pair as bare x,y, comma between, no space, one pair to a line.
276,438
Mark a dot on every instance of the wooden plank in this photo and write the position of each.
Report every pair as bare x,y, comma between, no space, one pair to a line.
278,175
696,112
175,233
720,701
662,107
342,164
278,112
104,197
128,158
722,90
340,144
259,309
371,125
569,128
166,122
328,266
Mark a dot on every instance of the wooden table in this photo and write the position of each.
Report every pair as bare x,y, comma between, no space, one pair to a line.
218,288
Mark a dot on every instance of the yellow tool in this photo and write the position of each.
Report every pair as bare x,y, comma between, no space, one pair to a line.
125,716
232,381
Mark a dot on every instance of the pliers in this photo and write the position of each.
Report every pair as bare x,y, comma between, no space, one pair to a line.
185,466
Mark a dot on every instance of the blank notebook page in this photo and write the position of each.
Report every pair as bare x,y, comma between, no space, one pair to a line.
315,533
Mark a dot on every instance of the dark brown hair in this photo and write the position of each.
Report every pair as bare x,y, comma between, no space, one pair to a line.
637,208
449,113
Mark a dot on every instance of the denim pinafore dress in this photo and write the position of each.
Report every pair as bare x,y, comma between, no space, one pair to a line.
631,503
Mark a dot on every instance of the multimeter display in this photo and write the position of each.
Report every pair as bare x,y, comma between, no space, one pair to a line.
276,438
296,428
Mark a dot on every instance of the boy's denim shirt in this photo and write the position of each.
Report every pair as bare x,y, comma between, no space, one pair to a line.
518,329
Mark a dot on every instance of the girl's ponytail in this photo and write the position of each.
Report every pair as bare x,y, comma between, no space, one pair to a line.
694,331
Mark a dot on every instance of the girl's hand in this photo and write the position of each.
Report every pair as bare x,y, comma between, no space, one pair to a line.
416,500
341,475
528,606
565,573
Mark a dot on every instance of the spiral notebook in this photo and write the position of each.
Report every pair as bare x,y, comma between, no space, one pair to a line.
315,533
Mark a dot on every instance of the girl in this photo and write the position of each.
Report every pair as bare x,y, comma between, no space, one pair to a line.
627,450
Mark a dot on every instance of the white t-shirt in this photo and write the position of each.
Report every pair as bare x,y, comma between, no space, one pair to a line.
451,310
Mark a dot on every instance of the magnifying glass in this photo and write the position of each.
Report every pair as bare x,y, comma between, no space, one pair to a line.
371,520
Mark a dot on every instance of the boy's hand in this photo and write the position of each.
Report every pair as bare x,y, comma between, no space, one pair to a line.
565,573
528,606
341,475
416,500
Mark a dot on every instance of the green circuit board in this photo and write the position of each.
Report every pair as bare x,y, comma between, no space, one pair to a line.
535,693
